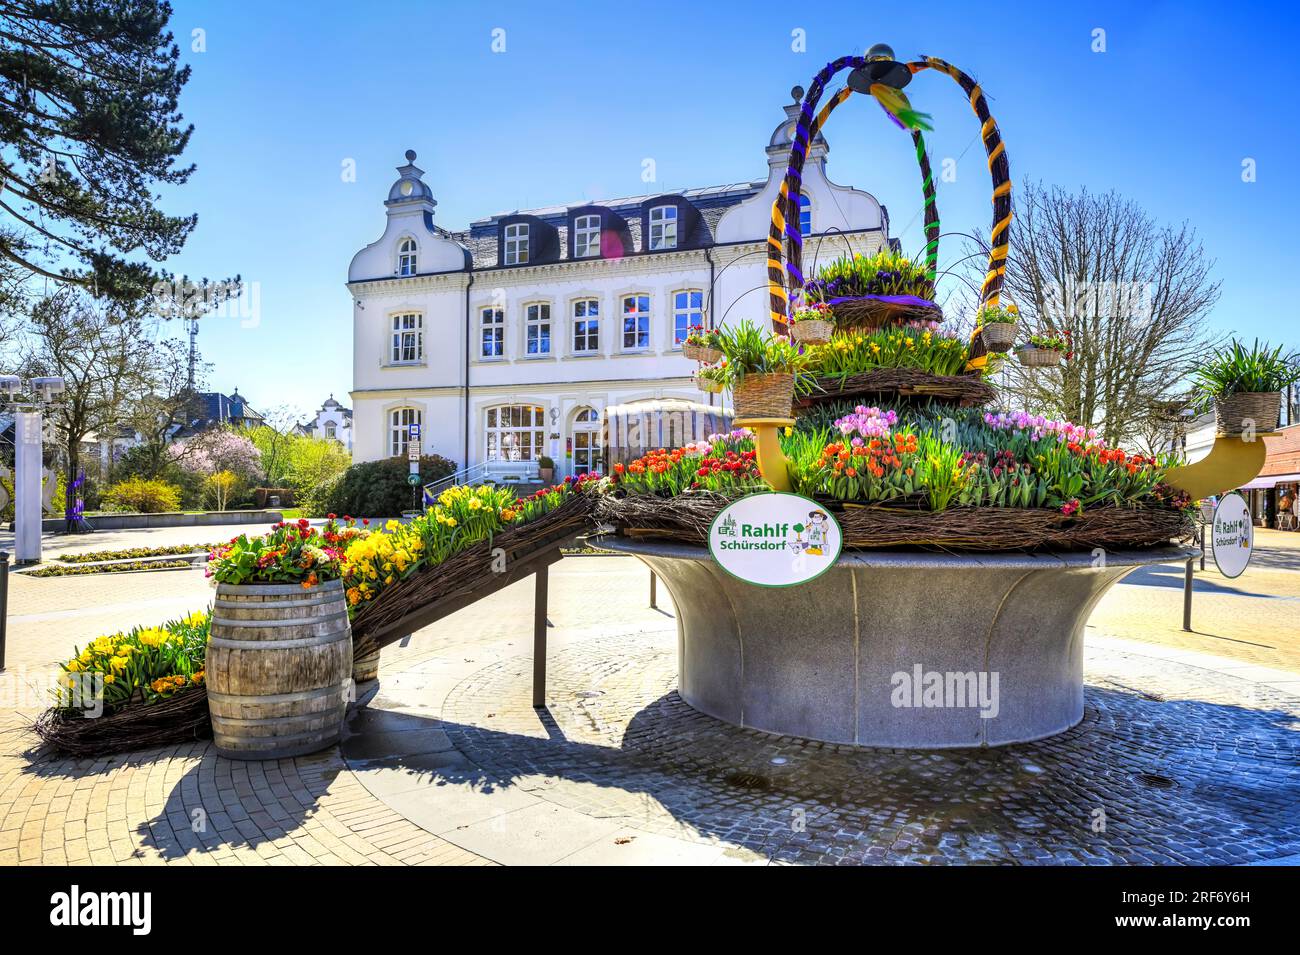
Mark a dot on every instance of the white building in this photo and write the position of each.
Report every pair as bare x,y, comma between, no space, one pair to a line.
506,340
332,421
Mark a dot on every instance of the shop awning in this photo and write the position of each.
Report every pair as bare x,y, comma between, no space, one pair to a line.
1272,480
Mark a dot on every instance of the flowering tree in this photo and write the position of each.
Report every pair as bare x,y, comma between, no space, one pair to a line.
219,450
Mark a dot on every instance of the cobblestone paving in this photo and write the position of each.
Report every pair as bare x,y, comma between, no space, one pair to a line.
1194,767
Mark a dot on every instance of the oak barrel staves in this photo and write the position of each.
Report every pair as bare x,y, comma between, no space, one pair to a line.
278,668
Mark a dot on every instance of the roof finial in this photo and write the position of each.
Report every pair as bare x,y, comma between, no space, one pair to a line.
410,155
797,93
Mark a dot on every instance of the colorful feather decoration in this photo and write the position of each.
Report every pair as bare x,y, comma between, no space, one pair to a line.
898,108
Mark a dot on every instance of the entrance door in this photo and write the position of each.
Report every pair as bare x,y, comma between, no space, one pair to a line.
586,442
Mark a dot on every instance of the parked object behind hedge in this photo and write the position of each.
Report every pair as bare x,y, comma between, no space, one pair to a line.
1244,385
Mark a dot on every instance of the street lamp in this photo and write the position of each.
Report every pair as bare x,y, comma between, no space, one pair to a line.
28,458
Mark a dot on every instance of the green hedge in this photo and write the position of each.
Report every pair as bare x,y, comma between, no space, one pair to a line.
374,488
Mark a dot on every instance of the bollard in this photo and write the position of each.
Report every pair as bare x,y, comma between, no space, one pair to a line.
4,603
1187,596
654,591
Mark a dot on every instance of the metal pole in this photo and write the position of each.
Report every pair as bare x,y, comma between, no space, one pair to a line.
28,469
4,603
1187,596
654,591
539,639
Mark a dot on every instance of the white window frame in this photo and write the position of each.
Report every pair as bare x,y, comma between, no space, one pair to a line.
586,429
589,319
501,449
685,313
399,429
516,243
537,328
492,319
642,317
805,209
408,256
408,338
586,237
665,227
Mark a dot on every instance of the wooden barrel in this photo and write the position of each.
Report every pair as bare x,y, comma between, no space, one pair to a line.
365,667
278,669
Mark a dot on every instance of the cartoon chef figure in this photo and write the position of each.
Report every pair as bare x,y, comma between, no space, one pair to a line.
817,532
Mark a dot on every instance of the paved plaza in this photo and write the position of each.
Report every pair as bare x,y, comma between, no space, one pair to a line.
1187,752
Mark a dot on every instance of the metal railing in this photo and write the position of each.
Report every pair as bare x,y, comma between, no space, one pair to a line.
464,476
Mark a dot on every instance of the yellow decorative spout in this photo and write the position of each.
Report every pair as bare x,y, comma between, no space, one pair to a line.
767,443
1232,462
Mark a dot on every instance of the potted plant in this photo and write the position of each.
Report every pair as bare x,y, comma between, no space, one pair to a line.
868,291
701,344
280,657
1245,386
546,469
997,326
763,371
712,378
812,324
1043,351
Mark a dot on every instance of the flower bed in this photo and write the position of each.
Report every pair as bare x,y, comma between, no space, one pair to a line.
147,685
999,482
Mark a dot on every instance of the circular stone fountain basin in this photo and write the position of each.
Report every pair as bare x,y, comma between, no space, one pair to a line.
892,649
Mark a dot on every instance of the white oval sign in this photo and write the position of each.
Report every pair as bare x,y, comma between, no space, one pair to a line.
1234,535
775,540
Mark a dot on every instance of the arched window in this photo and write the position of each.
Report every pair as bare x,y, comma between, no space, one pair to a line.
514,432
399,430
805,215
586,441
406,256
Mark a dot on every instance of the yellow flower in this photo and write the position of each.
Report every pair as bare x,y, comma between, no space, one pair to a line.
109,678
451,522
74,666
153,637
392,525
103,644
475,504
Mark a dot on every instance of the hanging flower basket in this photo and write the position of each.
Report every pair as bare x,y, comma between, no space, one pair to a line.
711,385
769,395
998,336
1033,357
1259,410
876,311
812,331
701,353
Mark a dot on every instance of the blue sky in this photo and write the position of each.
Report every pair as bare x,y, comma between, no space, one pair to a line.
285,93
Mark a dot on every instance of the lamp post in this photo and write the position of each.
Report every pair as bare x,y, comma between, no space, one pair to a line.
28,458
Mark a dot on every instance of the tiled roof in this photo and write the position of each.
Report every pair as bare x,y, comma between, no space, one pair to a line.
712,201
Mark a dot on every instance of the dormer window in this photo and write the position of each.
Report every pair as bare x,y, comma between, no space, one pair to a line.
516,244
663,228
406,257
586,237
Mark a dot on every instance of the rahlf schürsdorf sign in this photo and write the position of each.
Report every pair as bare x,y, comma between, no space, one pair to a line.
775,540
1234,535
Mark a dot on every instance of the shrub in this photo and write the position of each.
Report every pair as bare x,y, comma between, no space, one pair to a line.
1238,369
142,496
374,488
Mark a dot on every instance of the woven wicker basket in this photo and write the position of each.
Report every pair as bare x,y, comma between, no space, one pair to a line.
701,353
999,336
870,312
708,384
1257,409
1039,357
764,396
812,331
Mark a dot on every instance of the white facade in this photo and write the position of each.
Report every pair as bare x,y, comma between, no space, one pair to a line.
497,360
332,421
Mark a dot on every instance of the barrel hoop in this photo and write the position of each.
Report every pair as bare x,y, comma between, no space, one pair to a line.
280,621
335,584
232,723
279,644
324,735
281,697
315,601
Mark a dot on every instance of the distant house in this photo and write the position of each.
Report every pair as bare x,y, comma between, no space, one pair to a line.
214,410
332,421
